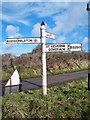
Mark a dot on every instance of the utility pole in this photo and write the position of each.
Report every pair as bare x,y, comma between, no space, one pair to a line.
44,74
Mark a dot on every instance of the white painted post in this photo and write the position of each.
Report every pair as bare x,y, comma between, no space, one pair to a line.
44,75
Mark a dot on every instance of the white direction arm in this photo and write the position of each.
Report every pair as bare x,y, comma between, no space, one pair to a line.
63,47
23,40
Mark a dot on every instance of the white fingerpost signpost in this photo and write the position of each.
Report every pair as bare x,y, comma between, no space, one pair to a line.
45,48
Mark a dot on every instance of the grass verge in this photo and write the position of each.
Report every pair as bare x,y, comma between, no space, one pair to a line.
69,100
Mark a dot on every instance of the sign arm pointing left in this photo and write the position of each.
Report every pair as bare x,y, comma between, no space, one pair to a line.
23,40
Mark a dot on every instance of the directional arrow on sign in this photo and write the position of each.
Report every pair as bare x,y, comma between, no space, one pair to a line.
23,40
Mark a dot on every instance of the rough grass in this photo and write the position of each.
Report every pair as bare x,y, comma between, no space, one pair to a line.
68,100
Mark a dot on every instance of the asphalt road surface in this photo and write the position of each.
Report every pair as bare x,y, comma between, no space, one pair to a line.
36,83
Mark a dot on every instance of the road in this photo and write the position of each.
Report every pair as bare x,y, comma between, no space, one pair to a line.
36,83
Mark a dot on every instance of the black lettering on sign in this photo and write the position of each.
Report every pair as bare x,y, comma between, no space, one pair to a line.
35,40
49,49
30,39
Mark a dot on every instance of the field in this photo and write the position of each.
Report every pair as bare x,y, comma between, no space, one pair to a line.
69,100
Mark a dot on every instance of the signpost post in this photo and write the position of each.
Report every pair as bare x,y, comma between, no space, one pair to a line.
44,74
45,48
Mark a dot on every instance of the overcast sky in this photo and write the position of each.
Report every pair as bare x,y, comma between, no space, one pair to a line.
67,20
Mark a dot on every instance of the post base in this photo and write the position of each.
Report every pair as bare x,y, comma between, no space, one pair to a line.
44,90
